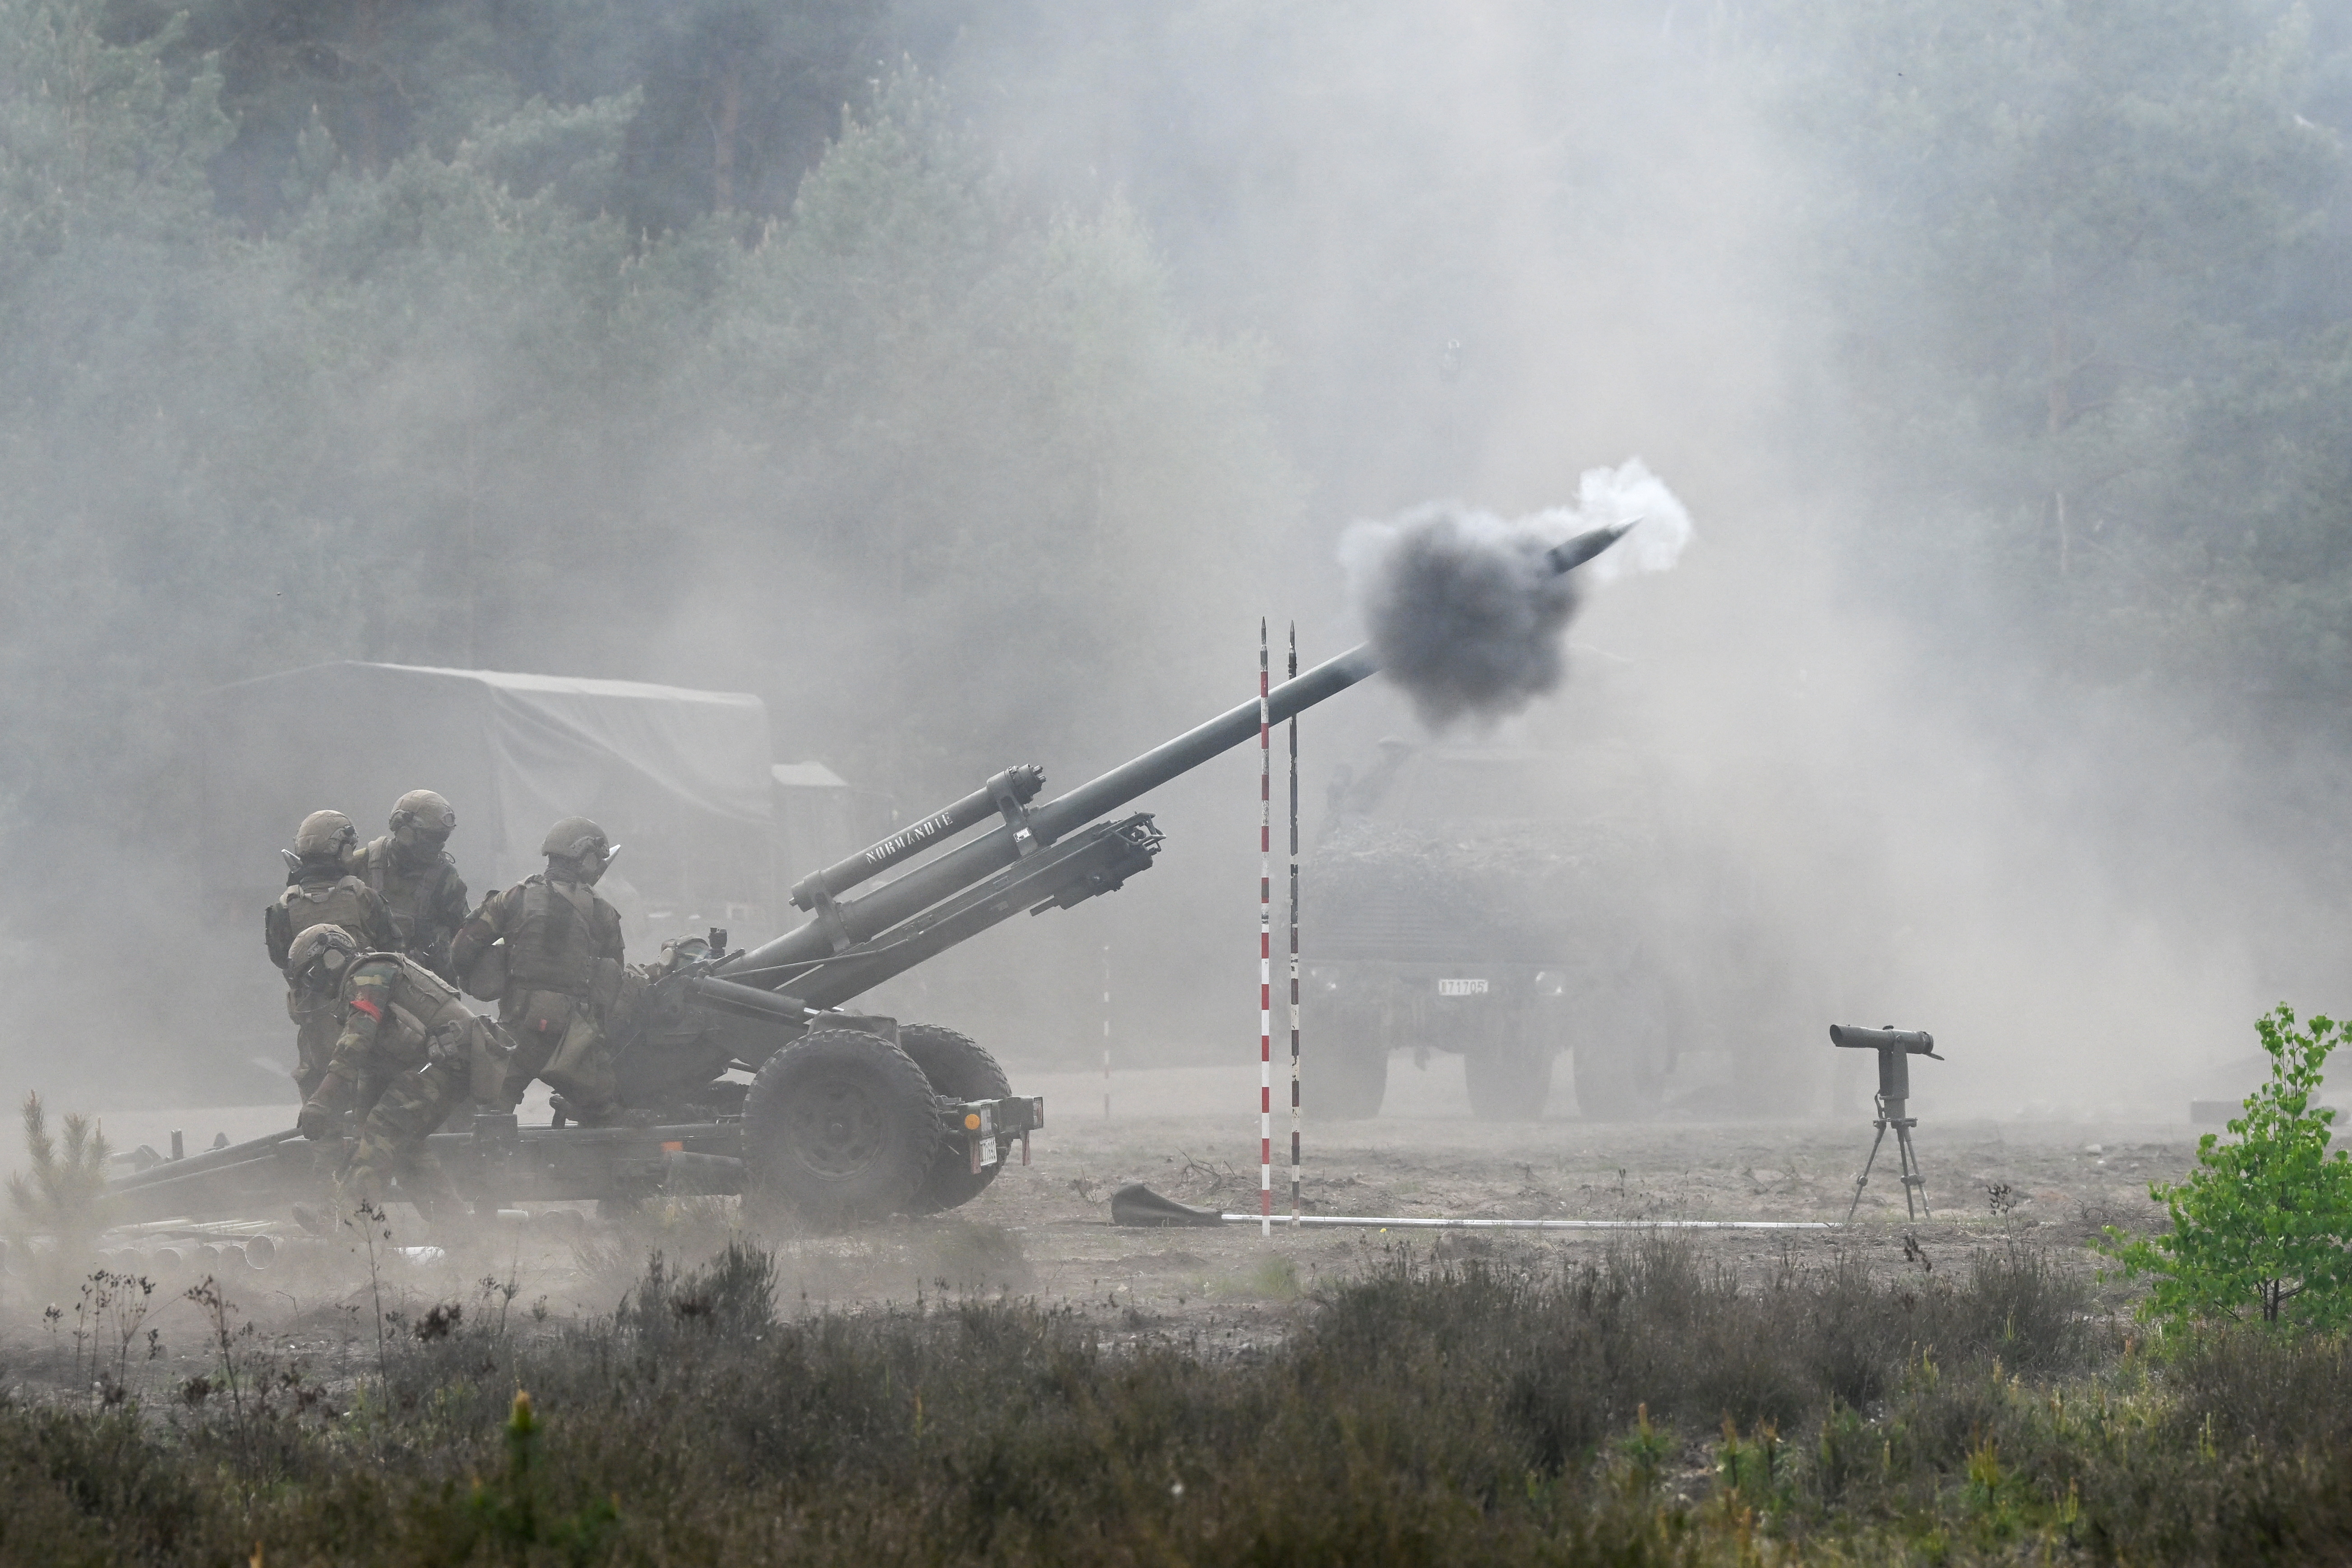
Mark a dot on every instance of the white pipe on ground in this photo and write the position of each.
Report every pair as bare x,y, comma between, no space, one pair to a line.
1424,1222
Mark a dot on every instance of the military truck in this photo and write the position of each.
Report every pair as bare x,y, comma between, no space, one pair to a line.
1490,900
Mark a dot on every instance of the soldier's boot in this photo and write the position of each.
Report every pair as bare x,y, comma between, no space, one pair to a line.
377,1187
391,1145
609,1113
435,1209
357,1205
423,1183
581,1073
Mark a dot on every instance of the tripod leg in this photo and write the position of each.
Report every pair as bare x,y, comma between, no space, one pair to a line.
1863,1180
1911,1176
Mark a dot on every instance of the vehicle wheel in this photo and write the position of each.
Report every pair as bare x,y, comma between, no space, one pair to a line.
1618,1083
960,1070
838,1128
1344,1074
1507,1083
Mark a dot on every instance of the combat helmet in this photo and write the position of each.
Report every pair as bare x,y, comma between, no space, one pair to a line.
324,835
318,957
578,845
422,819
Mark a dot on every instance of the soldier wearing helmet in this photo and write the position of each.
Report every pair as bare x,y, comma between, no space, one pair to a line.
414,874
562,949
320,891
409,1052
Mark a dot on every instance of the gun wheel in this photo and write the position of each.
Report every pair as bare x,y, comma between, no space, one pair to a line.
839,1128
958,1069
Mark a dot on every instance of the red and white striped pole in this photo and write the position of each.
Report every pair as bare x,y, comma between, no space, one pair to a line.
1293,938
1264,943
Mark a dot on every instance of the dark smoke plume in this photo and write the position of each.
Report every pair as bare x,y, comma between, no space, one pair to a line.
1463,609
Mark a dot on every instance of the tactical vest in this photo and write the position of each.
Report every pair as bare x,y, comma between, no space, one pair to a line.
408,894
343,902
424,1006
554,947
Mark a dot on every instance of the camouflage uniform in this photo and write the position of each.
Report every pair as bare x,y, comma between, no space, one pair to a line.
428,902
414,1052
318,891
562,945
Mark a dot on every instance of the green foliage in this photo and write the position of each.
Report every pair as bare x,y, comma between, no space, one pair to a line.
727,102
63,1192
2261,1229
1753,1472
2083,260
945,394
508,1510
444,406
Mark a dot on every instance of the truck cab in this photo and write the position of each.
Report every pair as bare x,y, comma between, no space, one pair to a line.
1483,900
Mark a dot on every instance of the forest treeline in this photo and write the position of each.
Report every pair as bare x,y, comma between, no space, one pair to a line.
709,341
2090,275
444,396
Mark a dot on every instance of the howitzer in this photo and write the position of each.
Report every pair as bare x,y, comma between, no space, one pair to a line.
849,1117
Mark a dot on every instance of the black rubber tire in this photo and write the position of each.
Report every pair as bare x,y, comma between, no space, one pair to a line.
1617,1082
1343,1066
1509,1083
958,1069
839,1128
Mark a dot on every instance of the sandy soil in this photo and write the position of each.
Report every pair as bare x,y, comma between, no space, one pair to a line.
1044,1230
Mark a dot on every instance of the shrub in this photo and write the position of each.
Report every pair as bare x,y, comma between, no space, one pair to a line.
1641,1406
2262,1227
64,1192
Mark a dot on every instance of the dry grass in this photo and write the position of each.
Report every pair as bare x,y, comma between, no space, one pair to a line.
1644,1407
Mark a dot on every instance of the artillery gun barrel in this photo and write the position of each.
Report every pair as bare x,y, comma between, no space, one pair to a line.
1018,785
1570,553
774,962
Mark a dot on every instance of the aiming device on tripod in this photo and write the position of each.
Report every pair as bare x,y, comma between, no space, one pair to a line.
1895,1047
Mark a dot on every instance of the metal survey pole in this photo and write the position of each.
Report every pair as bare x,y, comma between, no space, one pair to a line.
1294,936
1265,942
1106,1031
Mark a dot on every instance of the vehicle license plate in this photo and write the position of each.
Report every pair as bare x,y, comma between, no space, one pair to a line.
1462,988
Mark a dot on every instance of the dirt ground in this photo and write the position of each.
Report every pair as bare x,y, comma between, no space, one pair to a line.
1044,1231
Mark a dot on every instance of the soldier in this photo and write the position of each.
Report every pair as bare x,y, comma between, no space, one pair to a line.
416,876
410,1053
561,947
318,891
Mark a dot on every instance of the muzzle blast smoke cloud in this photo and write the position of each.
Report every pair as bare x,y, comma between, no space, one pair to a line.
1466,609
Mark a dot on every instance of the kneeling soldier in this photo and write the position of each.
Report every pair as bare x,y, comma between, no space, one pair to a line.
412,1052
318,891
